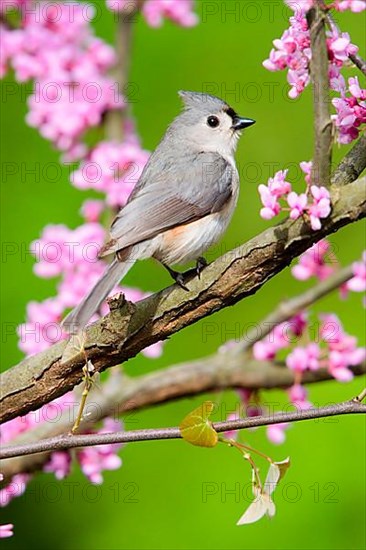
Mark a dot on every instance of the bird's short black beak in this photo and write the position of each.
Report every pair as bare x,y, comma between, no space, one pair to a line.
240,122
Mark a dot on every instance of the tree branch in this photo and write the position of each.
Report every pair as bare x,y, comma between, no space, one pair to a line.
74,441
129,328
121,394
352,165
232,368
319,72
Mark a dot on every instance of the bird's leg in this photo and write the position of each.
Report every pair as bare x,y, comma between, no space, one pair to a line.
200,265
178,277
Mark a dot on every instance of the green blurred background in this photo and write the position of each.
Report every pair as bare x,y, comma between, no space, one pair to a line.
158,499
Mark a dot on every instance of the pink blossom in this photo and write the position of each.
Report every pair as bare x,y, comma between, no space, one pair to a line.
42,328
306,167
340,47
179,11
358,282
351,112
354,5
313,263
15,488
101,457
61,249
278,188
355,88
331,329
298,80
118,5
69,65
278,185
298,396
53,250
48,413
280,337
271,206
293,51
304,358
59,463
297,203
6,530
300,6
320,207
153,351
92,209
342,348
8,5
276,432
336,79
112,168
73,255
298,323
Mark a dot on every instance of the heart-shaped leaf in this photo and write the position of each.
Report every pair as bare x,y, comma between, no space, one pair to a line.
196,427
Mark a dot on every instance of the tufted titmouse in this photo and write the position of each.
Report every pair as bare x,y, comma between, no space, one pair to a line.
182,203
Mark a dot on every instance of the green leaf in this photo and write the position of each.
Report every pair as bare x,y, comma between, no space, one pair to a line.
196,427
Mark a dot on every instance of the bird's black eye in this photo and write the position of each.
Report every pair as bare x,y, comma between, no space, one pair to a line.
213,121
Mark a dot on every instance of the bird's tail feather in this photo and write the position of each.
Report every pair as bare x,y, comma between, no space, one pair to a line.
78,317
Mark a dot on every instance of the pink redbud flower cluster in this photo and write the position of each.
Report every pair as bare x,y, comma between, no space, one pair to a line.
315,262
336,350
71,255
154,11
56,47
112,168
354,5
313,205
358,282
319,261
275,432
8,5
331,348
6,530
92,460
351,111
292,52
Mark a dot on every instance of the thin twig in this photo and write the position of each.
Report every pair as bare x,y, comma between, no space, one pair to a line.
358,61
121,394
71,442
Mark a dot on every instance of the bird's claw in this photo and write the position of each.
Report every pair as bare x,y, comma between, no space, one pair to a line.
200,265
179,279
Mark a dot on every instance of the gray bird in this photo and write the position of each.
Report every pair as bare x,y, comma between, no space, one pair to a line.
182,203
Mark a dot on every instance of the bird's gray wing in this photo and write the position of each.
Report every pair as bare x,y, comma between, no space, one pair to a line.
182,193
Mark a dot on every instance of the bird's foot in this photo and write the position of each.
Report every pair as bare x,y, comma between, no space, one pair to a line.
200,265
177,276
